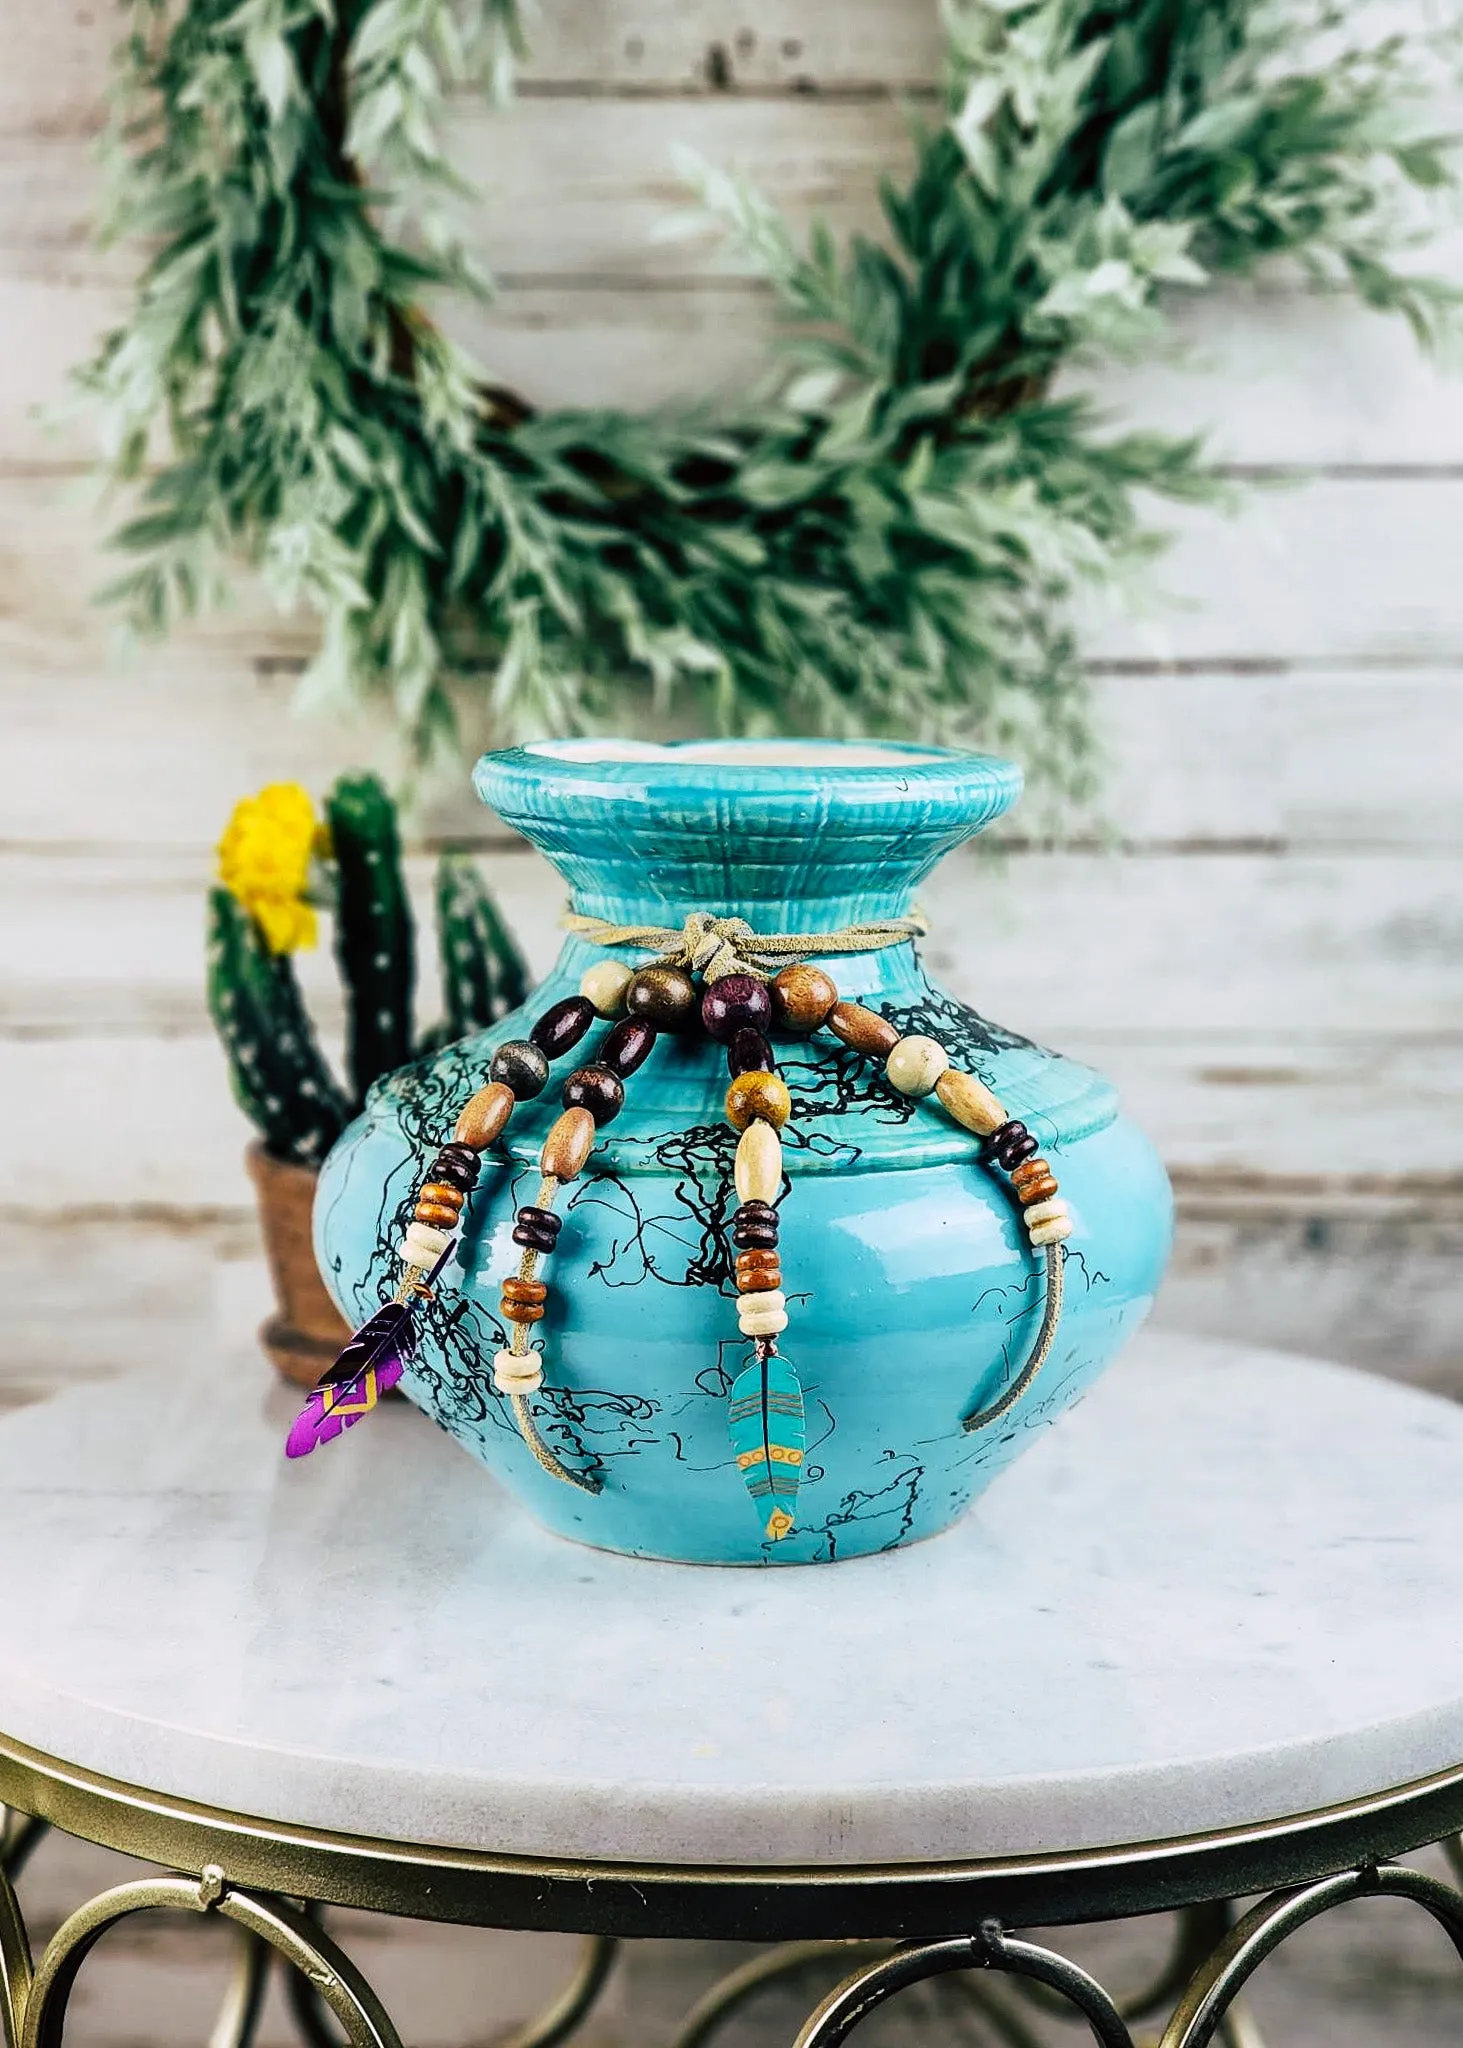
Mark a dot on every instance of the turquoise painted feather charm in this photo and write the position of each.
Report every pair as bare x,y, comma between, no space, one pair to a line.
768,1433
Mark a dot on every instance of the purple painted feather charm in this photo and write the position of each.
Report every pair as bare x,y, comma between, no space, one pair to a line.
369,1366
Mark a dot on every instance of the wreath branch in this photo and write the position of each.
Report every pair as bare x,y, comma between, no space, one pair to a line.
891,537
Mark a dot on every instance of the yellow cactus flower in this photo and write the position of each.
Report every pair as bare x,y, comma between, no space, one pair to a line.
264,860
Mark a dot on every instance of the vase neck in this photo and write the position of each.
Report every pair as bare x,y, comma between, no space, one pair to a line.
793,836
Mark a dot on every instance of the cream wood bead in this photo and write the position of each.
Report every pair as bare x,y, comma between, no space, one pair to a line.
770,1298
1045,1212
758,1169
517,1374
604,985
1053,1232
763,1322
970,1102
915,1064
424,1244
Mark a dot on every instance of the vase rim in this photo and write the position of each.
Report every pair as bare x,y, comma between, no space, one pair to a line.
750,768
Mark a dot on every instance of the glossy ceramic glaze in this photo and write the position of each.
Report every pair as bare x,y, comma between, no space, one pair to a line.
911,1291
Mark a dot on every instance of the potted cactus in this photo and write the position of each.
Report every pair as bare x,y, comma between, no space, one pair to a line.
278,862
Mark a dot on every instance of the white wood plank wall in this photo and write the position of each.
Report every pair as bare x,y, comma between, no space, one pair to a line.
1270,961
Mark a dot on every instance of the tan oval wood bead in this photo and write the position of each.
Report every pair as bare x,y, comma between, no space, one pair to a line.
862,1029
1053,1232
482,1119
970,1102
758,1168
604,985
569,1143
915,1064
1045,1212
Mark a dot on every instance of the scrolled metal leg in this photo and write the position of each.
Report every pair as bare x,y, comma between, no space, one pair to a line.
991,1949
575,2002
546,2030
16,1975
18,1838
283,1928
1197,1930
238,2018
1209,1999
731,1992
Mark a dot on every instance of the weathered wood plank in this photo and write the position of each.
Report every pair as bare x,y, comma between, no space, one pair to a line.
164,1135
1331,760
1376,1284
58,67
1254,1010
1277,379
1339,572
567,187
1362,945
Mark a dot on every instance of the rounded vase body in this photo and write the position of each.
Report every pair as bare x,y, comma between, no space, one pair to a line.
912,1293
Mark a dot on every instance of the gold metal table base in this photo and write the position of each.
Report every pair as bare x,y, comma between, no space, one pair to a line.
899,1926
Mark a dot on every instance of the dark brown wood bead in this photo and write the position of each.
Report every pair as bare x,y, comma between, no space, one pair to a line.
537,1230
734,1002
1012,1154
521,1066
597,1090
436,1214
531,1291
802,998
563,1026
748,1052
458,1164
863,1029
627,1048
521,1311
754,1236
664,996
756,1212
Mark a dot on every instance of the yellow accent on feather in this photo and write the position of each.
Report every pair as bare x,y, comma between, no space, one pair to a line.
332,1404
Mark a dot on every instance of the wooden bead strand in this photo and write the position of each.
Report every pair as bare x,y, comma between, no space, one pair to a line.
592,1096
766,1416
918,1067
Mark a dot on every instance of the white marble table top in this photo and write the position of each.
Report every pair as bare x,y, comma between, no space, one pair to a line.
1227,1588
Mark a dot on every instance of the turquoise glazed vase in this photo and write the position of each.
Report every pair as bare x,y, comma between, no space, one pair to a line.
912,1292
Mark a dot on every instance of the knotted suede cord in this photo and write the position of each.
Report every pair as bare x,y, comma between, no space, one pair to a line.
717,946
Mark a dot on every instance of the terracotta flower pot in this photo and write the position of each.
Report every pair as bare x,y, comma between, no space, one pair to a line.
306,1331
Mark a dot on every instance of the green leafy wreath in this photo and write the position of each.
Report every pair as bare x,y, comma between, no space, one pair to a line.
889,539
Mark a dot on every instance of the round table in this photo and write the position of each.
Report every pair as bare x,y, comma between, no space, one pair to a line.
1204,1639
